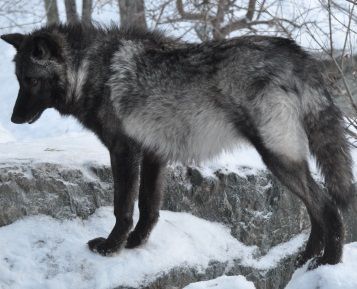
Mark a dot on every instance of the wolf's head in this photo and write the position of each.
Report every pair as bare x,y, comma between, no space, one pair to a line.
40,68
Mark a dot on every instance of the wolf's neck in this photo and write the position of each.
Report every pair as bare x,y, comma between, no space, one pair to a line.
86,75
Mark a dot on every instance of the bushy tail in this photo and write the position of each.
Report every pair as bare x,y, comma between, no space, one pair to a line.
329,145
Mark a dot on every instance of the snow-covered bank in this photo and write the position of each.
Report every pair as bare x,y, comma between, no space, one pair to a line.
224,282
70,149
41,252
340,276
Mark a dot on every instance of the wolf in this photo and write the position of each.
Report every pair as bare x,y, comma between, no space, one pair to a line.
151,100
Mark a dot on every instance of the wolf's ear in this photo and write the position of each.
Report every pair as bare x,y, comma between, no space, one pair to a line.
46,46
15,39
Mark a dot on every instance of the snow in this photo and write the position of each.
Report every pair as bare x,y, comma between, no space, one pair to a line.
223,282
243,160
42,252
276,253
340,276
69,149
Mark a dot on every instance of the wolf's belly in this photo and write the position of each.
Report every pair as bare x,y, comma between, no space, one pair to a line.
193,139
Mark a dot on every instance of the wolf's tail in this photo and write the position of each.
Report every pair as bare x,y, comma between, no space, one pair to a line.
329,145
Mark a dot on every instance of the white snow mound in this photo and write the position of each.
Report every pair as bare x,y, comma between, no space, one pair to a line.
340,276
223,282
42,252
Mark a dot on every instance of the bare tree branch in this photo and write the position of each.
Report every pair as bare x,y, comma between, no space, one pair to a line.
190,16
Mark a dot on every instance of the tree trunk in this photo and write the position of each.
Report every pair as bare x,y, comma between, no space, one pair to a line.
87,7
71,11
132,13
52,12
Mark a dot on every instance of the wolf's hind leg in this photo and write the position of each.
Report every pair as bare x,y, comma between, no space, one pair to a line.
279,135
295,175
316,242
150,195
334,236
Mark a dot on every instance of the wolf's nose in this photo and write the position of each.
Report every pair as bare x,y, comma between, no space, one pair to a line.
16,119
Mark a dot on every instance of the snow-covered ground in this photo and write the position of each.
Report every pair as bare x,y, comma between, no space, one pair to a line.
224,282
341,276
41,252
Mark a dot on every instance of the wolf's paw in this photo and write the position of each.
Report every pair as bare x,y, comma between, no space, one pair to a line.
301,259
318,261
314,263
102,246
135,239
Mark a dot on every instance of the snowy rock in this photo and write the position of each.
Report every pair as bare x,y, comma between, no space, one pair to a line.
51,189
256,208
253,204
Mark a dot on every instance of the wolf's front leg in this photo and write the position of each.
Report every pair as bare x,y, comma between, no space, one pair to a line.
125,167
150,194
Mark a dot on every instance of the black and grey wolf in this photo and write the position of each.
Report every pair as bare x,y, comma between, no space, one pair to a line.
152,100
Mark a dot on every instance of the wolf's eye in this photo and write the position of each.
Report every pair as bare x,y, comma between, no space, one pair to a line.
33,81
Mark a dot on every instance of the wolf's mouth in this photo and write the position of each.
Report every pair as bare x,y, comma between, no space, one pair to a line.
35,117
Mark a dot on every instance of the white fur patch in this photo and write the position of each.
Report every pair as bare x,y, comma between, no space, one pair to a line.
281,127
76,80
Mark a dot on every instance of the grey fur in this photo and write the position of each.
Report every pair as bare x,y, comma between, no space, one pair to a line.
153,100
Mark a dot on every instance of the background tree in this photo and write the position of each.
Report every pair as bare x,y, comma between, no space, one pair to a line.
52,11
218,19
71,11
87,9
132,13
